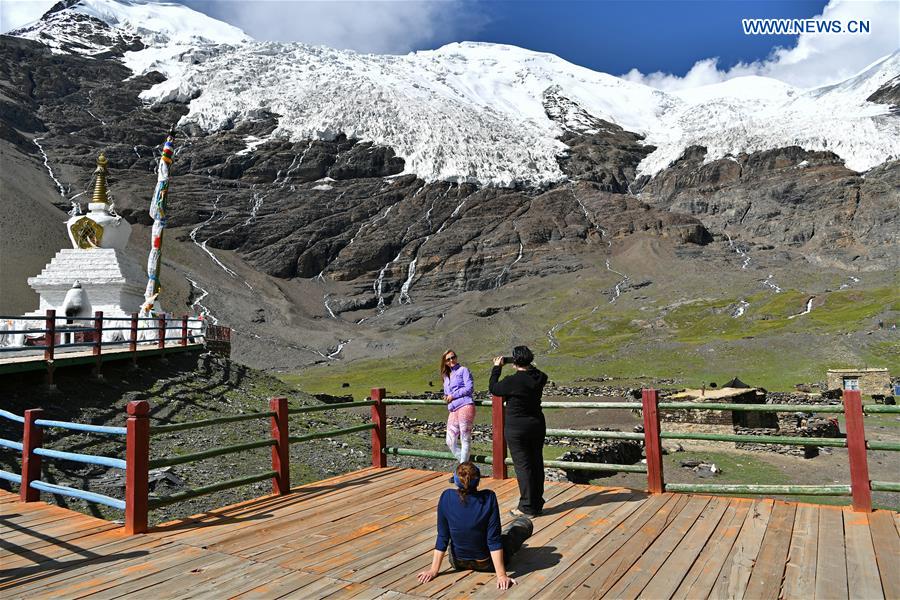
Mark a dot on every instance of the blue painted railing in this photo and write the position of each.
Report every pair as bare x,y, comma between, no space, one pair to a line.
51,488
34,483
90,459
11,416
13,477
82,427
11,444
7,475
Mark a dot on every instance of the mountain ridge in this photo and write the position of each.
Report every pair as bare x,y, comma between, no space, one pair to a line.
445,110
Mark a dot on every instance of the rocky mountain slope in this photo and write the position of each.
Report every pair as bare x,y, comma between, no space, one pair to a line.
315,223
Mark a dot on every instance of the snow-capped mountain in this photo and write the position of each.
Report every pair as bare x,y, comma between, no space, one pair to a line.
469,111
319,193
91,27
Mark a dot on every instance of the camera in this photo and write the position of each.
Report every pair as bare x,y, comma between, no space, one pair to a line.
508,360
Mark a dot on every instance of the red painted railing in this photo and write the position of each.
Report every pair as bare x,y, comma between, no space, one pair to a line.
860,484
88,332
138,431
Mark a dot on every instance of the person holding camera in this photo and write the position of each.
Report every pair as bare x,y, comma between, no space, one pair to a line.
458,390
525,425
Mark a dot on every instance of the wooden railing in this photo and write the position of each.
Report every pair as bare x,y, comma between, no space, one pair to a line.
860,486
55,333
32,450
138,463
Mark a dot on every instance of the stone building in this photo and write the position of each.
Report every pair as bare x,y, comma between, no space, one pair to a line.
716,421
798,424
867,381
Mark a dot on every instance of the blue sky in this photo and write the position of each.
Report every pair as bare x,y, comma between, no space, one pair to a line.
666,43
615,37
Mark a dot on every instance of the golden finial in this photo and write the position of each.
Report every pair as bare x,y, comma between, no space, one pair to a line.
100,180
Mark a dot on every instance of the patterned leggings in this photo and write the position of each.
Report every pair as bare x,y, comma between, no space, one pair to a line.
459,426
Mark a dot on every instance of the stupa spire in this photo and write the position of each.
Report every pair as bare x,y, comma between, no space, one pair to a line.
100,191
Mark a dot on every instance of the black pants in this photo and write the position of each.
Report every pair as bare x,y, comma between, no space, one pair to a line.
525,438
513,536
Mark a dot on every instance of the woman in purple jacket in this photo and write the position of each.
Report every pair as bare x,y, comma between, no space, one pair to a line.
458,389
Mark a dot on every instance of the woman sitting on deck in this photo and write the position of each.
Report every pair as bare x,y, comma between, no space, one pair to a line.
468,523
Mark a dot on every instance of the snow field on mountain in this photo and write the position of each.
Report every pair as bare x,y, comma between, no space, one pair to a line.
161,23
475,111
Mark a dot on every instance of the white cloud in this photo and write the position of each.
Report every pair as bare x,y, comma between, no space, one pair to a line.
16,13
816,59
377,26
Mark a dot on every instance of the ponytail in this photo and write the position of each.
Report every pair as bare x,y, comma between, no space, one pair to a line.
466,478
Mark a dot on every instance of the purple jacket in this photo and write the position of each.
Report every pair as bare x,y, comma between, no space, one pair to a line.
460,386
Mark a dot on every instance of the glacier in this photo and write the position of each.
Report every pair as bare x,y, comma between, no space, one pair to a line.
473,112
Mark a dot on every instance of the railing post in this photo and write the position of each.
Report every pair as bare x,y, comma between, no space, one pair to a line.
50,338
132,342
184,329
498,438
97,349
137,467
652,443
379,434
860,486
162,332
32,437
281,451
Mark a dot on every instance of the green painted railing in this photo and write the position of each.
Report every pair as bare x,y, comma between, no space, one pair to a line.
488,459
756,439
874,409
138,501
879,445
788,490
886,486
209,422
279,442
208,489
581,433
590,433
212,453
650,406
325,407
475,458
294,439
789,408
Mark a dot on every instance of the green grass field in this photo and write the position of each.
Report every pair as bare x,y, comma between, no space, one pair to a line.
695,343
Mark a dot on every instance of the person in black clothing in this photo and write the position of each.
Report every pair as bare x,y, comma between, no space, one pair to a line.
525,426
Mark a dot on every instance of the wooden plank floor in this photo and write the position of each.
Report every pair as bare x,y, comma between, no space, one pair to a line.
366,534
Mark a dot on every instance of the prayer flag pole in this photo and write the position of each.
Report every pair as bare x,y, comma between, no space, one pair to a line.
158,212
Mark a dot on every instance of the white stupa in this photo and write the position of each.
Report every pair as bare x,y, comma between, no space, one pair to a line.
113,282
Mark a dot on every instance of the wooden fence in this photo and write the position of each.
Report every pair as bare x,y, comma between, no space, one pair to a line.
54,333
138,462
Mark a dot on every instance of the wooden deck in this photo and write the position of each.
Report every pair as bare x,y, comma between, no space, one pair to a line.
366,534
33,360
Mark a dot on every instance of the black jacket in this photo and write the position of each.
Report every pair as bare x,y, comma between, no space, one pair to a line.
522,390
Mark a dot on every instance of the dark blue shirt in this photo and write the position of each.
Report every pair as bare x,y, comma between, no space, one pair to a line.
473,527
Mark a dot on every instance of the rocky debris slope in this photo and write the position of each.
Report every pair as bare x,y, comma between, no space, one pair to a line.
336,209
787,198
